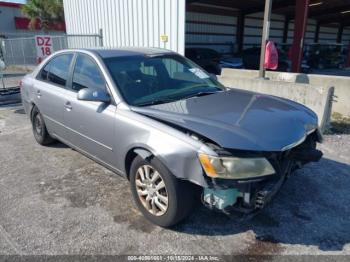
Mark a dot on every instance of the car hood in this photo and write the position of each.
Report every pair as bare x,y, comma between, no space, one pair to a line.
239,119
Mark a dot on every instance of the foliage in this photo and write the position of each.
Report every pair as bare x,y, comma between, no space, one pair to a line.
46,11
339,124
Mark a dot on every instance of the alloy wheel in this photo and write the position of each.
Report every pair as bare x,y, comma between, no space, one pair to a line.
38,125
151,190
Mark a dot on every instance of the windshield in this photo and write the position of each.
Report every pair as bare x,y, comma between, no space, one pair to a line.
147,80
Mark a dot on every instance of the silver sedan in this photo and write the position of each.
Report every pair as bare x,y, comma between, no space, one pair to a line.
170,128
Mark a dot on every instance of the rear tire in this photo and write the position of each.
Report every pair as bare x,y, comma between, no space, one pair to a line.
39,128
176,198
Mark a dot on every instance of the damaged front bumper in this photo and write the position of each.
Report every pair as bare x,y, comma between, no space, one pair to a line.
246,197
252,195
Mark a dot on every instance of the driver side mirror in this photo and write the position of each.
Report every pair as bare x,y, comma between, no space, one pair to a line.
96,95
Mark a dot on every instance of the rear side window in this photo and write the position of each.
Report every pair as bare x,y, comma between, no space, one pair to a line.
59,69
44,72
87,74
56,70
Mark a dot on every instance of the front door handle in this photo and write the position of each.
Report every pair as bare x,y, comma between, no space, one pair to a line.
68,106
38,93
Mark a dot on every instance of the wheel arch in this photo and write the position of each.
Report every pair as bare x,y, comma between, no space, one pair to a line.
132,154
186,169
31,109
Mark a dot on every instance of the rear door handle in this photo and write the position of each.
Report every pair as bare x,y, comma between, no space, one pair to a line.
38,93
68,106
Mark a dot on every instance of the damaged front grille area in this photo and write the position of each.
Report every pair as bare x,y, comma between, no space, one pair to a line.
254,195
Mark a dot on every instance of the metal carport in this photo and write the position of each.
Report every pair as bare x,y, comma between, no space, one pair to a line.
323,13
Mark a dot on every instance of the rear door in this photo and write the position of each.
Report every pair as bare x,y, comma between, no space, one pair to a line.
49,91
90,124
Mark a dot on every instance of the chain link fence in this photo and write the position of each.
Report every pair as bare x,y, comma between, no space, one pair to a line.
22,51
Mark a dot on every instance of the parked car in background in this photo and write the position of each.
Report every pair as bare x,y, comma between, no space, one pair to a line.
232,62
251,59
207,58
171,129
325,56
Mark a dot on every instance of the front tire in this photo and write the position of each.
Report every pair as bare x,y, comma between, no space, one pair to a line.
39,128
161,197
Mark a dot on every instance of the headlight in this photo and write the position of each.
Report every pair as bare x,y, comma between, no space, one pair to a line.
235,168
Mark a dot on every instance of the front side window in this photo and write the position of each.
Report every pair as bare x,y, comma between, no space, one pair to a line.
59,69
144,80
87,74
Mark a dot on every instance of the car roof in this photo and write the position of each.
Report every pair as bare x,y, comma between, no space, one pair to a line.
127,51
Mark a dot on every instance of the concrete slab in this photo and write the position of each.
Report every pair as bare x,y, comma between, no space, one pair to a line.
340,83
317,98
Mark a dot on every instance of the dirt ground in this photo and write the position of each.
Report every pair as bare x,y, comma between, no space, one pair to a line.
53,200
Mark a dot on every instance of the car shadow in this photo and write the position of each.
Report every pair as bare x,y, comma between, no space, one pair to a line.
58,144
312,208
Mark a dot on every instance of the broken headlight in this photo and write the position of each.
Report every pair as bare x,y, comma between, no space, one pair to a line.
234,167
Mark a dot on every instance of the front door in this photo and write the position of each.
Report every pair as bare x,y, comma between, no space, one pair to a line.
90,124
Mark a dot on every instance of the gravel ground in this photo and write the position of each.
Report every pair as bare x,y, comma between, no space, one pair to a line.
53,200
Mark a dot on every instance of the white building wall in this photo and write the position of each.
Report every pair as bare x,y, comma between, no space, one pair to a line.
138,23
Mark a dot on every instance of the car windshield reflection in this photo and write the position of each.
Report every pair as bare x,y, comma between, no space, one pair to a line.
148,80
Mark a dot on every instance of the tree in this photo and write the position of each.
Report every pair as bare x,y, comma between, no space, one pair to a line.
46,11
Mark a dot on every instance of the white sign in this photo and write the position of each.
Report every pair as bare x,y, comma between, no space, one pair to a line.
44,47
199,73
164,38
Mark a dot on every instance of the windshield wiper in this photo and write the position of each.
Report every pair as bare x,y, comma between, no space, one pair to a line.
169,100
203,93
155,102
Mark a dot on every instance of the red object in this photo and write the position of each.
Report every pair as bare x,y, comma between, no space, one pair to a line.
38,60
23,23
271,56
301,13
9,4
